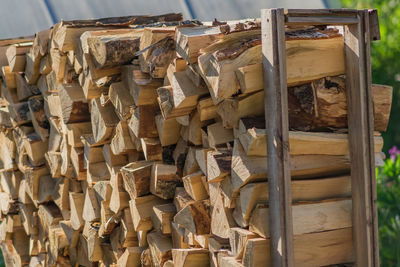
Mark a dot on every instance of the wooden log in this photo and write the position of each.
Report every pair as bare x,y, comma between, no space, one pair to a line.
113,50
150,37
168,130
38,117
16,56
141,209
195,217
190,40
76,201
32,68
252,136
130,257
253,193
194,186
160,248
337,215
207,109
103,119
35,149
141,85
74,106
190,257
76,130
238,238
136,177
219,164
121,99
8,77
164,180
162,217
308,249
218,135
25,90
122,142
91,207
222,220
151,148
219,62
142,122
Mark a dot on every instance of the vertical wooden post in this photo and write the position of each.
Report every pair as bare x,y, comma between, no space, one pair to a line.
276,115
361,126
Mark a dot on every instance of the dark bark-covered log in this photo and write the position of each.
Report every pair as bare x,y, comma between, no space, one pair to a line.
322,104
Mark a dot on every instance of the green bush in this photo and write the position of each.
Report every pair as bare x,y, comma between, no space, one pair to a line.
388,193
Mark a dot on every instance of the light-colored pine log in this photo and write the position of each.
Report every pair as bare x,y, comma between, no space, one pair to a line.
121,99
168,130
195,257
74,106
141,86
254,141
141,209
160,248
194,186
219,164
218,135
190,40
136,177
307,218
317,249
104,120
302,190
142,122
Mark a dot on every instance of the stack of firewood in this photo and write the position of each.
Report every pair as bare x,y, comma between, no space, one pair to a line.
140,141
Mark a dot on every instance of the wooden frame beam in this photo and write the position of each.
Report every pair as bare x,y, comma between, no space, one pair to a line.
361,127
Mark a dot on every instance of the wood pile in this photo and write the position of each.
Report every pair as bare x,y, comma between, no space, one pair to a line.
140,141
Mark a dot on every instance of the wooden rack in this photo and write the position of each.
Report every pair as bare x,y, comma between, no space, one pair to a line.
360,27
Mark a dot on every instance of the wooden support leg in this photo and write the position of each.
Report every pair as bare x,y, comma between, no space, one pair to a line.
276,115
361,126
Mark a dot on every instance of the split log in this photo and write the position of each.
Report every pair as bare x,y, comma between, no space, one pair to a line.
337,244
302,190
337,215
141,209
190,40
25,90
16,56
162,217
195,257
121,99
168,130
136,177
252,136
74,106
38,117
164,180
160,248
195,217
104,120
141,85
142,122
194,186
